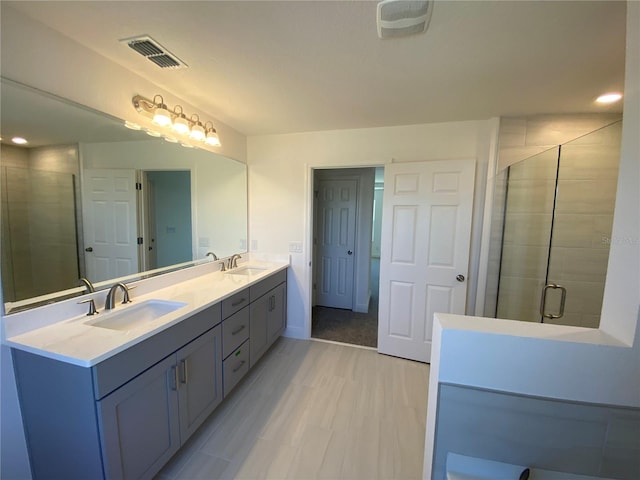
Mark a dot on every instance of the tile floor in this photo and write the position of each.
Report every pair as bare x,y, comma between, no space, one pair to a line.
312,409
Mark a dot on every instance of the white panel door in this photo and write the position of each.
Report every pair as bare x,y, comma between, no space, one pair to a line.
109,217
426,227
336,239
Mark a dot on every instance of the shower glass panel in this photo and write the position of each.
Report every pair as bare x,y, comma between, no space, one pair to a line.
587,183
557,228
528,219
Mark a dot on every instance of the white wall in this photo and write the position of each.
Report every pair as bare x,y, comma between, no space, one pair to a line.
280,185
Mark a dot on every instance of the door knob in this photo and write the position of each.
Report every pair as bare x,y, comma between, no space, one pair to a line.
460,278
88,249
349,252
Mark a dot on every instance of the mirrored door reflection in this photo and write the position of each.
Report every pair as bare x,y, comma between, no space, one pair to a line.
557,231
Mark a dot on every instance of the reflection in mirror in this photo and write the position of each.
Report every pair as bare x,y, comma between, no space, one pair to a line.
551,229
88,198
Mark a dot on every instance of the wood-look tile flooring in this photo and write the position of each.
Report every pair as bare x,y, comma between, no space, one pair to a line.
311,410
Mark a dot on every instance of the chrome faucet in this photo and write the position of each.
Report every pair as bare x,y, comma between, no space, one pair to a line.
110,302
233,261
87,284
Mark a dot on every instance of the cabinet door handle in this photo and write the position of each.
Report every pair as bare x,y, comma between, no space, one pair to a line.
238,330
543,300
173,378
183,371
242,300
239,366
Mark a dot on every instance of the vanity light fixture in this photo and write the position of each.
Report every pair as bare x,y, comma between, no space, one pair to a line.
192,128
197,131
161,114
180,122
609,98
212,136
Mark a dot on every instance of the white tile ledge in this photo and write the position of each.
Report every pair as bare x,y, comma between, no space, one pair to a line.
60,331
515,328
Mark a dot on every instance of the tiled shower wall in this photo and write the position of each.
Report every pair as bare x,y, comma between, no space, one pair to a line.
39,251
584,215
587,182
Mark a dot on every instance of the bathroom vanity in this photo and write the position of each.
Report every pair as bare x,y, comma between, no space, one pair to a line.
115,395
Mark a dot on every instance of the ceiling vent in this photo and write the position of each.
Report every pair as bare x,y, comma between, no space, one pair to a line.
153,51
401,18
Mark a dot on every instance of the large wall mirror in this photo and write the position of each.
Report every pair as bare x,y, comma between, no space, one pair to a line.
86,197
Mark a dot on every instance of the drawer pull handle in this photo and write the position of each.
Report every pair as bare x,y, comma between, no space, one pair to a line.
173,377
242,300
239,366
183,371
238,330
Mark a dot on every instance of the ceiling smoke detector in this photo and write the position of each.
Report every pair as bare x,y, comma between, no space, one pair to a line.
401,18
153,51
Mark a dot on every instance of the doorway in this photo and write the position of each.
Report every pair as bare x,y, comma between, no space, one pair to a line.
345,266
167,217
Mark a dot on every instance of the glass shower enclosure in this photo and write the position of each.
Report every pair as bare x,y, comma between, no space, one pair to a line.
556,231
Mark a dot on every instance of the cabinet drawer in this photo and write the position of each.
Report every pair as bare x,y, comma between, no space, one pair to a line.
234,303
119,369
235,330
235,367
259,289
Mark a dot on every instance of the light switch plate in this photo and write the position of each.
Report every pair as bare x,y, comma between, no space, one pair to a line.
295,247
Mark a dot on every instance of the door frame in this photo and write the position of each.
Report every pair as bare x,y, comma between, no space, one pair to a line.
309,259
363,226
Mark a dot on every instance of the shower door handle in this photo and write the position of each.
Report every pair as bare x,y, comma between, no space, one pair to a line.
543,300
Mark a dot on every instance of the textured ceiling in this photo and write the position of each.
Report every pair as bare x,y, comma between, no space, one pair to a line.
280,67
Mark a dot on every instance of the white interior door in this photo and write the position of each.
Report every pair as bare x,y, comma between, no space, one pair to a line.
109,217
336,239
426,227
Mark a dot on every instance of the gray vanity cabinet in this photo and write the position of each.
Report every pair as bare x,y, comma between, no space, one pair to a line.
127,415
144,422
267,314
139,424
199,367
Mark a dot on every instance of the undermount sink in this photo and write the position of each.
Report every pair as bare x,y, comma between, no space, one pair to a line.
248,270
136,315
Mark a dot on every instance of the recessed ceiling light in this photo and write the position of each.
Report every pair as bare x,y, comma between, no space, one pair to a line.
609,98
19,140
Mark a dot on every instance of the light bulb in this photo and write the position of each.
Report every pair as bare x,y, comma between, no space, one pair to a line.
181,125
609,98
212,138
197,132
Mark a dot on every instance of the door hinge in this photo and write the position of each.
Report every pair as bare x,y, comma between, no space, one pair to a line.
138,186
139,240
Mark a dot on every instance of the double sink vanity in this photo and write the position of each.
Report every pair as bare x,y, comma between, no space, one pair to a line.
116,394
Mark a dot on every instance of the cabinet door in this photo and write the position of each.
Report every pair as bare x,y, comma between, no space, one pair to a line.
139,423
199,380
258,336
277,313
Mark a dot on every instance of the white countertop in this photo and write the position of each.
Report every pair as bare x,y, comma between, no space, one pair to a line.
74,340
